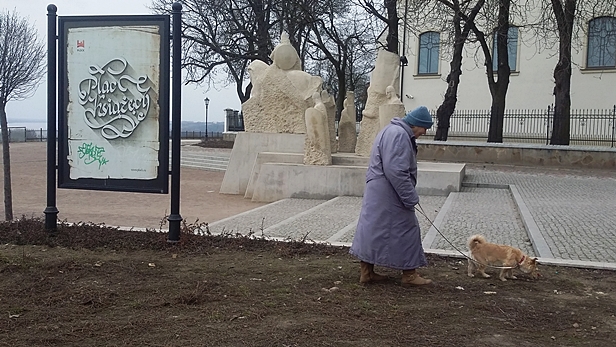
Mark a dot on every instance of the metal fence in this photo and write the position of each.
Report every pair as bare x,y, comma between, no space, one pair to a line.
41,134
199,134
235,122
587,127
16,134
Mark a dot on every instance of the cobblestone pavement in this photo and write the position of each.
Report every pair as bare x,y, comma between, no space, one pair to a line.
487,211
574,210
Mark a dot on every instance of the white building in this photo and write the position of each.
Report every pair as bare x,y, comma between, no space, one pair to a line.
593,81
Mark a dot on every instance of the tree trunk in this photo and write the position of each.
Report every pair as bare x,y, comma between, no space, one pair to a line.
562,73
392,26
499,89
497,116
6,159
447,108
341,94
562,104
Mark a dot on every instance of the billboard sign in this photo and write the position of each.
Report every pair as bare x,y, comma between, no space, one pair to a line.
113,103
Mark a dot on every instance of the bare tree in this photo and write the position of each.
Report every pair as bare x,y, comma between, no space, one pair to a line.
387,12
494,21
339,39
22,58
477,23
463,18
565,14
566,23
221,38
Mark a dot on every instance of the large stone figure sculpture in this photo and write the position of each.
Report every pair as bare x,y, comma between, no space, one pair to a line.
317,150
347,130
281,93
330,106
392,108
386,73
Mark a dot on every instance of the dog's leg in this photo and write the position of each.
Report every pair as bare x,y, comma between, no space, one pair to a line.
471,268
510,271
502,274
481,268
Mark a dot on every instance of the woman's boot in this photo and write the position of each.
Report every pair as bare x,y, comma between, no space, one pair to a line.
367,273
412,278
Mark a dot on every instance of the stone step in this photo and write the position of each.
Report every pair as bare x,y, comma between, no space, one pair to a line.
203,161
328,221
332,220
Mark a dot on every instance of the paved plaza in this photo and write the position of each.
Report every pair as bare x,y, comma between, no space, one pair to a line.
562,216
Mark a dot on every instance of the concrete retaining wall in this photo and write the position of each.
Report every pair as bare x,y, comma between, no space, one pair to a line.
518,154
277,176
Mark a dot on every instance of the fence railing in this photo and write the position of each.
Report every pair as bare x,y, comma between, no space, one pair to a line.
587,127
199,134
235,122
41,134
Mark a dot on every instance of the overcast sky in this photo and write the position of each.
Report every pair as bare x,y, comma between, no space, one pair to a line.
35,108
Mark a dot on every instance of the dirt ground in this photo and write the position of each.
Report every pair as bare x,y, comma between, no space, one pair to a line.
97,286
199,197
92,285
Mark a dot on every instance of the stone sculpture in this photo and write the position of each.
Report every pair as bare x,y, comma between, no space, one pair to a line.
317,150
330,106
281,93
386,73
393,108
347,130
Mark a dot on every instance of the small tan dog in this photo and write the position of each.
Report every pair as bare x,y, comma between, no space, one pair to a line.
486,253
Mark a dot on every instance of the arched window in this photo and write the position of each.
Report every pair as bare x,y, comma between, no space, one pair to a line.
601,43
429,43
512,49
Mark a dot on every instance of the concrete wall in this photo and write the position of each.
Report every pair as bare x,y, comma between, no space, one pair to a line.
245,149
278,176
518,154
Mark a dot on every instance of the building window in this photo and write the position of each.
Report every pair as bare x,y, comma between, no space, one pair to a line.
601,43
512,49
429,43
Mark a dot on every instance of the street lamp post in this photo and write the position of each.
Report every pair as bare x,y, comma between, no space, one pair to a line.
207,102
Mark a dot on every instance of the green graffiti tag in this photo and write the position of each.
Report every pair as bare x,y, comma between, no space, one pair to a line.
92,154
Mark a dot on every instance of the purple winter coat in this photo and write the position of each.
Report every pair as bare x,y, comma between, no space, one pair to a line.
388,231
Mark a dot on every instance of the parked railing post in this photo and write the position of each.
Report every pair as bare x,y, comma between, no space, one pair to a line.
547,126
613,125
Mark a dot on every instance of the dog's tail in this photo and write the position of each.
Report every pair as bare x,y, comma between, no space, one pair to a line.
475,240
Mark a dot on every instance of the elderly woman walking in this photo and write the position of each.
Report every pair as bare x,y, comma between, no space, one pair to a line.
388,232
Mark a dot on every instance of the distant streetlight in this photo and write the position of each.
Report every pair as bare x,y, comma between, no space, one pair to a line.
207,102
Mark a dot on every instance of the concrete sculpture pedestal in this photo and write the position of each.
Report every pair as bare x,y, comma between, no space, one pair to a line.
244,153
268,167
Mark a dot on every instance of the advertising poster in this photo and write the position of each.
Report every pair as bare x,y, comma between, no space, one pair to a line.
114,126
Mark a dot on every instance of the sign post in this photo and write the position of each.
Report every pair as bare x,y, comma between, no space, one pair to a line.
113,106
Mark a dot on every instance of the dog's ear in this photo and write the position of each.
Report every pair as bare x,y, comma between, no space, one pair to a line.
535,260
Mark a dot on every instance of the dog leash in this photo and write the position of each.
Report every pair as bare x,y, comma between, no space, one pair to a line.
421,211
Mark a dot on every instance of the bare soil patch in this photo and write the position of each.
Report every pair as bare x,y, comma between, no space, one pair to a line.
91,285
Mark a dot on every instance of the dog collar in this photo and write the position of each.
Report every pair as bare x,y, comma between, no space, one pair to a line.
521,260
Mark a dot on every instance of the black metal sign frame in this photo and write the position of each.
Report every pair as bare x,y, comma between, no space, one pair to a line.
159,184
